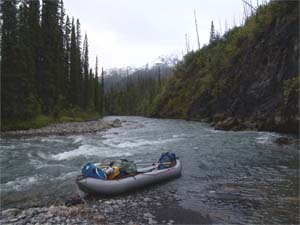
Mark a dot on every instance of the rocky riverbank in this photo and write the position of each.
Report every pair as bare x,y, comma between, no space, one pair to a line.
142,207
68,128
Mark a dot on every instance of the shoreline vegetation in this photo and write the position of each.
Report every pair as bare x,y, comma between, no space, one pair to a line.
41,121
46,76
74,126
248,91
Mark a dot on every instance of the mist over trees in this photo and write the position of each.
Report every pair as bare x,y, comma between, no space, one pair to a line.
132,91
44,66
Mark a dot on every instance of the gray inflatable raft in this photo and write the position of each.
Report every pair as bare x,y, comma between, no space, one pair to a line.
145,177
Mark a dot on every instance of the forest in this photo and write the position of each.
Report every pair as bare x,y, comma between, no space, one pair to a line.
133,91
232,82
45,72
246,78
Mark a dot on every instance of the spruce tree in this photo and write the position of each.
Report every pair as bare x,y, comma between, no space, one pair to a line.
50,56
97,89
60,78
85,61
8,59
102,92
73,67
79,77
212,37
27,104
35,40
91,91
67,46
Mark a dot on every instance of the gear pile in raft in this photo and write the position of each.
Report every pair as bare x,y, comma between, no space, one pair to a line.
123,175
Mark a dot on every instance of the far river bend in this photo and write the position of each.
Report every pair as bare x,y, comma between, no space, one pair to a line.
234,177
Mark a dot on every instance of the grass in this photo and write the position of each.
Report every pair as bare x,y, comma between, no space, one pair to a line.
37,122
73,115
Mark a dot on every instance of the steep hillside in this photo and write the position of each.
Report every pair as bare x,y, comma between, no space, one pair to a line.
247,79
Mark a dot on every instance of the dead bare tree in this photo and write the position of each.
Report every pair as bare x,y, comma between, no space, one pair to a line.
249,4
187,43
197,29
234,23
226,26
220,27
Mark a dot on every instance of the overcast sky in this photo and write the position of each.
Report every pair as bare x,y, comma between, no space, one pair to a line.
136,32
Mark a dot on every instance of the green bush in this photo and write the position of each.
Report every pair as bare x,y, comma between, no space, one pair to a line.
290,86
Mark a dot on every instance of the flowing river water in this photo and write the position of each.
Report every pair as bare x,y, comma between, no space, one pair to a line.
234,177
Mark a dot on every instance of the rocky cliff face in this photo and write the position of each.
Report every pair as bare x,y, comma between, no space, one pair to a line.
259,86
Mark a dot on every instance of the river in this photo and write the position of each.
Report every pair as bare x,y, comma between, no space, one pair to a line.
234,177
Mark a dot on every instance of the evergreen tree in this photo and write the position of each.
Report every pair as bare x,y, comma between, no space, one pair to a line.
41,64
67,46
212,37
8,59
97,89
91,91
50,55
28,106
79,77
102,92
85,61
61,80
35,41
17,65
73,67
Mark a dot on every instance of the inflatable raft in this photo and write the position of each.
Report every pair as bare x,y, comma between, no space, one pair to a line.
144,177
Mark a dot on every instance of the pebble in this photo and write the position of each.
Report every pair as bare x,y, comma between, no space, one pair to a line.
147,199
69,128
132,209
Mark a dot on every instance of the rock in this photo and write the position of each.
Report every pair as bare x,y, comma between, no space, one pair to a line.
109,209
13,220
227,124
49,215
134,204
31,212
282,141
9,212
108,202
147,200
218,117
119,201
117,121
58,219
74,201
115,206
151,221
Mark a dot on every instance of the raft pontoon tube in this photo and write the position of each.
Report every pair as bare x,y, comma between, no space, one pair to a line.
117,186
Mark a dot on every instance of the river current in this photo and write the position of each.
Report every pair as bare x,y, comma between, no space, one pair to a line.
234,177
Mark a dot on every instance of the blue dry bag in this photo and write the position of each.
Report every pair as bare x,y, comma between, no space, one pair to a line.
90,170
167,159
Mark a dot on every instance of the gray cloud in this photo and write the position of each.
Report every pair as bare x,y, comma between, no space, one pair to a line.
135,32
